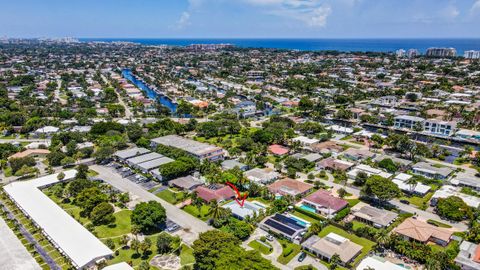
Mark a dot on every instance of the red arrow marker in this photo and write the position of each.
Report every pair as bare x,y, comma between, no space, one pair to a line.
239,199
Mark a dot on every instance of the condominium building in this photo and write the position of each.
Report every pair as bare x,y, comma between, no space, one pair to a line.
400,52
440,127
196,149
441,52
413,53
472,54
407,121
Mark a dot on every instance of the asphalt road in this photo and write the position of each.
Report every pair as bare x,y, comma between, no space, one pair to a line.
192,226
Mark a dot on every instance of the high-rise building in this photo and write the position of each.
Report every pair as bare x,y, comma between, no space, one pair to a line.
400,53
441,52
472,54
411,53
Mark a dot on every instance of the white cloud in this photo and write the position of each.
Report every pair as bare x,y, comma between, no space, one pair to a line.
476,6
184,20
450,12
313,13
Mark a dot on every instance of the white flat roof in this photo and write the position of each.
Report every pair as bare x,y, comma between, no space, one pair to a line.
378,264
247,209
80,245
119,266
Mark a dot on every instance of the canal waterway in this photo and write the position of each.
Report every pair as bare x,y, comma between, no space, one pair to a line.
164,100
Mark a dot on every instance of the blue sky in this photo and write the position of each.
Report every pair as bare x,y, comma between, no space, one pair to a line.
240,18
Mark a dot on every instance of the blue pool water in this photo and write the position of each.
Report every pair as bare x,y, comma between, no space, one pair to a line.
300,222
307,208
165,101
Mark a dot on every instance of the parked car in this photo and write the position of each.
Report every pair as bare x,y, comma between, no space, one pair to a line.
404,201
302,257
270,237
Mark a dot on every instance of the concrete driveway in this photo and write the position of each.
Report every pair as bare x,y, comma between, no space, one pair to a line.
309,260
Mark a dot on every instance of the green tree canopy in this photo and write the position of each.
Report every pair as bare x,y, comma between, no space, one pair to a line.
380,188
453,208
148,216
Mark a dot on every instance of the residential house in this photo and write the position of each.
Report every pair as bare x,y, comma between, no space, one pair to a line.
219,193
231,163
419,189
283,225
464,179
305,141
447,191
288,186
420,231
357,154
327,147
404,164
333,164
378,263
36,153
469,256
368,170
262,176
278,150
376,217
432,171
188,183
324,203
330,245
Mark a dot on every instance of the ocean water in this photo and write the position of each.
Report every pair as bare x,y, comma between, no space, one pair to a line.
344,45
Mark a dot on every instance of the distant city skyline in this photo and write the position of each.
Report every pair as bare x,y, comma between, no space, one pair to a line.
241,19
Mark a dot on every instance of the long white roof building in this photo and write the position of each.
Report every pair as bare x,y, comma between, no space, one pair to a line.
69,236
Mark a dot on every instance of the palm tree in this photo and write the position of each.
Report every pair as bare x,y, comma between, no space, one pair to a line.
412,182
382,237
135,230
334,261
216,211
316,227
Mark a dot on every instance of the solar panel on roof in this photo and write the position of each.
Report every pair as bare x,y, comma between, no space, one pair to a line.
272,223
288,222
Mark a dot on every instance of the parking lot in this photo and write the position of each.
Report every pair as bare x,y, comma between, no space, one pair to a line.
130,174
147,184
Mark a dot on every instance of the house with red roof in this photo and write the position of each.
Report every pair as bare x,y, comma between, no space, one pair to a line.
278,150
324,203
219,193
288,186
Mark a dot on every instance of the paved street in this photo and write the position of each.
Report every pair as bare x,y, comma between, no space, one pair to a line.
192,226
14,255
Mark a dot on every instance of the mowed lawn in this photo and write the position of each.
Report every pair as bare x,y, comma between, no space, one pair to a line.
193,210
122,225
186,255
170,196
255,244
365,243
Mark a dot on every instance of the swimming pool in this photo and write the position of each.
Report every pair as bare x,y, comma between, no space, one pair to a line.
307,208
300,221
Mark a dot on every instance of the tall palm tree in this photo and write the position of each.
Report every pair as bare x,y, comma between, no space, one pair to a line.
412,182
382,237
216,211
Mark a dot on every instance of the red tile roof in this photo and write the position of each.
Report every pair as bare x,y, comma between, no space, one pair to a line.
327,200
278,149
287,185
221,194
